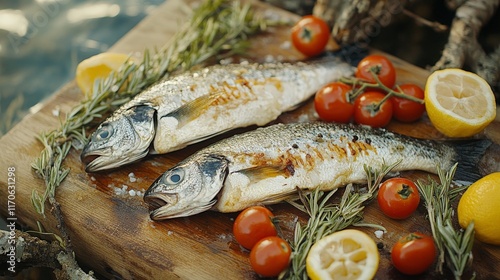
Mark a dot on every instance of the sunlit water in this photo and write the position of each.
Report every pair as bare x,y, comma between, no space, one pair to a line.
42,41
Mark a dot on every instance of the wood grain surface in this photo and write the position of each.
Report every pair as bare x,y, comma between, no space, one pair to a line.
112,233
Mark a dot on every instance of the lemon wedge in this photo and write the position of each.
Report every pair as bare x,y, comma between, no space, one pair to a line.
97,67
346,254
459,103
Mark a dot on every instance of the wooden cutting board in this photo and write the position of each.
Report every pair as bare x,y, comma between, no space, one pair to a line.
111,231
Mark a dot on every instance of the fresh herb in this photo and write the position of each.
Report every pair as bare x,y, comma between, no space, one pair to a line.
455,247
326,218
216,27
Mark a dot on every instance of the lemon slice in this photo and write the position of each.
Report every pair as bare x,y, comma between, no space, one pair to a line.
459,103
97,67
479,203
346,254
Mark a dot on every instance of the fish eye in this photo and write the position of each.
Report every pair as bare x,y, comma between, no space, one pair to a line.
175,177
104,132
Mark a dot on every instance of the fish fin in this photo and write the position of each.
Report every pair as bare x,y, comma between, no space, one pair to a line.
259,173
193,108
291,196
469,154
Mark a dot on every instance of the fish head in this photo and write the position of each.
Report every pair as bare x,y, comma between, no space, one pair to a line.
123,138
188,188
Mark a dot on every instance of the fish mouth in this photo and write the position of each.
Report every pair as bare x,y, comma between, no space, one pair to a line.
159,204
103,160
94,161
88,159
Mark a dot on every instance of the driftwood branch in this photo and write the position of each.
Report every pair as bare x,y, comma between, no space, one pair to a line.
462,47
358,20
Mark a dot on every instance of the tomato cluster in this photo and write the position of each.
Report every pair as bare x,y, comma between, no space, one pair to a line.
371,98
254,229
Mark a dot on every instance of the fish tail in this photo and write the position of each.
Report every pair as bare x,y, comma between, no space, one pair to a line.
469,153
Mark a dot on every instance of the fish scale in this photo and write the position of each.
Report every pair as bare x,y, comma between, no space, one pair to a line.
268,164
341,162
197,105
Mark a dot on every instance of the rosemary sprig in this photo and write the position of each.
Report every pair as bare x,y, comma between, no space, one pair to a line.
216,27
325,218
454,247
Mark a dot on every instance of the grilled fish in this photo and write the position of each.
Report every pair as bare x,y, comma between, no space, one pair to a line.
196,105
266,165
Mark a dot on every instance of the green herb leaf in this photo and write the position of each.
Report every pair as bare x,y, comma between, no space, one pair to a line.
454,246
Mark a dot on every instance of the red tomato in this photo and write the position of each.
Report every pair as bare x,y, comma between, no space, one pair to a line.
310,35
365,112
381,65
407,110
413,254
398,198
331,103
253,224
270,256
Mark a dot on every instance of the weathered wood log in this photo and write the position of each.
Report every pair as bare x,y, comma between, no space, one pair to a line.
462,48
356,21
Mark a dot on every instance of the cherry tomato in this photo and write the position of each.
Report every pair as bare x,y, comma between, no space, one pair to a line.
270,256
253,224
310,35
366,113
381,65
407,110
398,198
331,103
413,254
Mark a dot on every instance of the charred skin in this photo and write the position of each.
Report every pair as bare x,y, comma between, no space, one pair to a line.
197,105
267,165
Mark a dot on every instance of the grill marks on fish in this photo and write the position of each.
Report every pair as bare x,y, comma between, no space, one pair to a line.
306,155
277,159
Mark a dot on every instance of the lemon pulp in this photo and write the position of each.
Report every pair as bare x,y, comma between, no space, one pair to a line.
346,254
459,103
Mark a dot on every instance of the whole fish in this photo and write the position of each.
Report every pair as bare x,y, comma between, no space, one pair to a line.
196,105
267,165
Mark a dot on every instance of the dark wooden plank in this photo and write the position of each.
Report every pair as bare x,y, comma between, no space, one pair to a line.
107,226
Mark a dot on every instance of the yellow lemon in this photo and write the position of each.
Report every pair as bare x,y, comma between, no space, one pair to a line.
459,103
479,203
346,254
97,67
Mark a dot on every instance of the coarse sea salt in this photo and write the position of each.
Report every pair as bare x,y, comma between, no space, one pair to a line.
269,58
286,45
379,233
131,177
56,111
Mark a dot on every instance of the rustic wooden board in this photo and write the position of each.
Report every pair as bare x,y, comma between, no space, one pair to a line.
112,233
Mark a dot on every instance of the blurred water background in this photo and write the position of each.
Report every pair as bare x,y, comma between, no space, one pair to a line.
42,41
